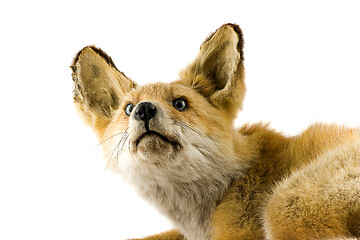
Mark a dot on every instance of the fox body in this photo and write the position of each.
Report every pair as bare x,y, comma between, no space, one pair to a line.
177,146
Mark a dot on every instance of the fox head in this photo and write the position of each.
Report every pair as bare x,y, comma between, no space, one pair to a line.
180,132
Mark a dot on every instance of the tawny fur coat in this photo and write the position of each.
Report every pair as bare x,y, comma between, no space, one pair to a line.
176,144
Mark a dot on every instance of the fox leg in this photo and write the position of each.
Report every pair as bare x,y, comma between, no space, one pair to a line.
170,235
319,201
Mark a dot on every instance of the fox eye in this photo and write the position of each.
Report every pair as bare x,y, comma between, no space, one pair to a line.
180,104
128,109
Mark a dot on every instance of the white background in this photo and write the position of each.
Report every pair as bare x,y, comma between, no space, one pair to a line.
302,62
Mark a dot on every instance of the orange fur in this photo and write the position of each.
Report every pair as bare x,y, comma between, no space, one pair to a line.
215,182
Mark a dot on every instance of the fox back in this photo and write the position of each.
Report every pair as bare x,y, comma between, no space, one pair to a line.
176,144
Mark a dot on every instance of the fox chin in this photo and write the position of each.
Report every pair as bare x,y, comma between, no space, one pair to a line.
176,144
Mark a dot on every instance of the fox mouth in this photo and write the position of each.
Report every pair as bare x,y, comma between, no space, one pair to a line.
150,133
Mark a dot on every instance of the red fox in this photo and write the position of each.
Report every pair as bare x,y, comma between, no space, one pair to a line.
176,144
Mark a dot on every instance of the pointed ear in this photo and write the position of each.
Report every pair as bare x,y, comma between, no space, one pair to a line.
98,86
218,70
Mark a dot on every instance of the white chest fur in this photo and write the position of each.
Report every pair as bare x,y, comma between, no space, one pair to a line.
186,187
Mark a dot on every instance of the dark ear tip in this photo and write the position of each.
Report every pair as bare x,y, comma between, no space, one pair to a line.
238,32
234,26
104,55
98,51
77,56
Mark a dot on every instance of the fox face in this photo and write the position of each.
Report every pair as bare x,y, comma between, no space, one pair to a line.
170,129
171,140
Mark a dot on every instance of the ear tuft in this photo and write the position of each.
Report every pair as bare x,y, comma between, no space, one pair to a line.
219,64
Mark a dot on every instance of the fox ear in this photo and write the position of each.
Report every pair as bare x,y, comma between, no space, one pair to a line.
218,70
98,86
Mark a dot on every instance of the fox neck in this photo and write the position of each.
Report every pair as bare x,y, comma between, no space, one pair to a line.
188,205
188,194
188,208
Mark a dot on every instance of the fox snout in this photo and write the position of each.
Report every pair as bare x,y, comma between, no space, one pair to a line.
151,130
145,111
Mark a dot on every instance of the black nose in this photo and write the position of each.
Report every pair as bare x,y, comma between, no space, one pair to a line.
145,111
